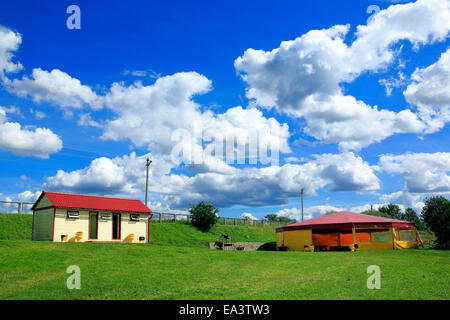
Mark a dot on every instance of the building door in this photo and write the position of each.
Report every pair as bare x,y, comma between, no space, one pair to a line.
116,226
93,225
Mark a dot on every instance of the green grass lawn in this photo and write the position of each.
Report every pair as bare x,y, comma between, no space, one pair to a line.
177,265
37,270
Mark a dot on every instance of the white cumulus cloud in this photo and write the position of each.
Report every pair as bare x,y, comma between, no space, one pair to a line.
249,186
56,87
39,142
303,77
247,215
9,43
308,213
422,172
430,92
164,118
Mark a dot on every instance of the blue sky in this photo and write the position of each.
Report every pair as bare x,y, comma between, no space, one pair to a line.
75,83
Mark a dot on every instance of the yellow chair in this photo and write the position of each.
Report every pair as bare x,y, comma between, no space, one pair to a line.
78,236
130,238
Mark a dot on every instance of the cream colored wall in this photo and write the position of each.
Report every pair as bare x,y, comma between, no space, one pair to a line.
104,228
70,227
139,229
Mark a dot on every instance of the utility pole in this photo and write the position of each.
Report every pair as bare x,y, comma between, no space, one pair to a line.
371,209
146,182
302,204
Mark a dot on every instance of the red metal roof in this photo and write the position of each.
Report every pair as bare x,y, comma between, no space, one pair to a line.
82,201
345,219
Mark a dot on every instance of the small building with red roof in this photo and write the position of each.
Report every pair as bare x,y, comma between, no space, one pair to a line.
347,231
61,216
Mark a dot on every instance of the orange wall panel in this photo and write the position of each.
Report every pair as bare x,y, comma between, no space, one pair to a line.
346,239
362,236
325,239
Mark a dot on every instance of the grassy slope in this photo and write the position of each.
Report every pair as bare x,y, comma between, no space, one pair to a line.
15,226
37,270
18,227
182,234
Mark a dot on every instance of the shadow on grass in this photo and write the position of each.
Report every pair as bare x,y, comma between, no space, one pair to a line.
269,246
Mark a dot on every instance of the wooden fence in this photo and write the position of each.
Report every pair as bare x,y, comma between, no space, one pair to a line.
172,217
15,206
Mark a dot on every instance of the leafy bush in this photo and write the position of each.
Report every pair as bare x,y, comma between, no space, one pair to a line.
204,215
436,215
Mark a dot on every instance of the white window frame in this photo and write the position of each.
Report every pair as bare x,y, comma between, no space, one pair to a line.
105,216
135,217
71,216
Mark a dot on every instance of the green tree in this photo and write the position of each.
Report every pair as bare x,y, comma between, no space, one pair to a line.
272,217
436,215
411,216
204,215
286,220
330,212
392,211
376,213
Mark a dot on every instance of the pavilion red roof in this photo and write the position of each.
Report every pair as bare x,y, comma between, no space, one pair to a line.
81,201
346,219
